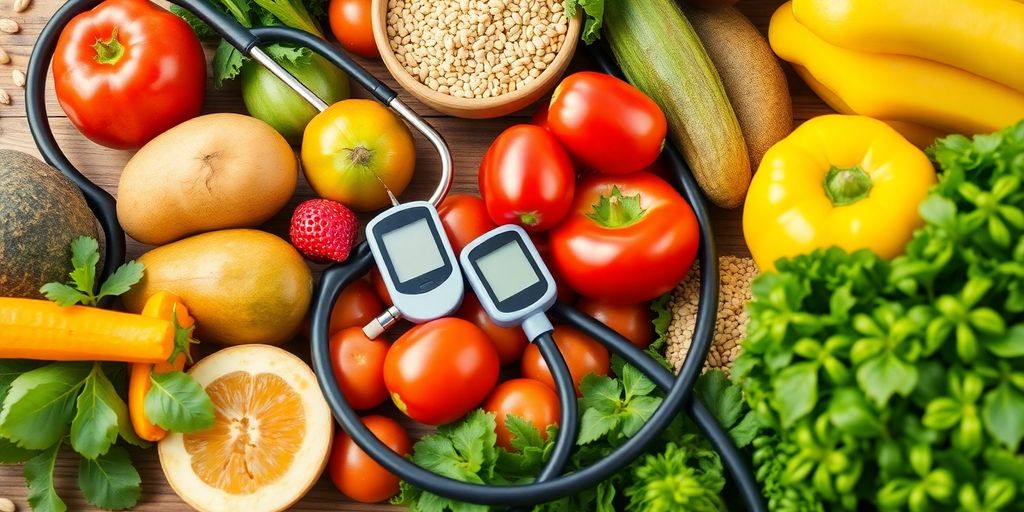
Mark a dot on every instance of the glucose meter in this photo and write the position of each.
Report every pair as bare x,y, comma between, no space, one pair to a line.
416,262
510,279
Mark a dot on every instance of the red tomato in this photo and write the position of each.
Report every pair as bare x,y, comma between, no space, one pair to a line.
540,117
438,371
351,23
358,364
632,321
627,239
526,398
128,70
607,124
565,293
358,476
380,287
526,178
583,355
509,342
464,218
357,305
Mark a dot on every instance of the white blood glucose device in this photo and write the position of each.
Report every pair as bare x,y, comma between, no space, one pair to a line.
510,279
416,261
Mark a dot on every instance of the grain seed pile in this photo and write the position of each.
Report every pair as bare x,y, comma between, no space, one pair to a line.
736,275
476,48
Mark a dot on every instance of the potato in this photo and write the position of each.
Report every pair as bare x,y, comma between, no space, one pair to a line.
213,172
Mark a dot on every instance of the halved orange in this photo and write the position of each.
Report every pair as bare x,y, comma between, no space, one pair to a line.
270,439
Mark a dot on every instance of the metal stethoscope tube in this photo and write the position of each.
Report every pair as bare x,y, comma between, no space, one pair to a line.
550,485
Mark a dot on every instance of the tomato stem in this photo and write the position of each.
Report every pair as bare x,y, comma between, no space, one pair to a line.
616,210
359,156
109,51
529,218
847,185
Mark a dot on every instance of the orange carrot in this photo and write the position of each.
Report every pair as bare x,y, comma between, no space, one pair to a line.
161,305
40,329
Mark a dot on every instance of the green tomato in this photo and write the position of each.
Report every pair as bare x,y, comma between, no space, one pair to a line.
269,99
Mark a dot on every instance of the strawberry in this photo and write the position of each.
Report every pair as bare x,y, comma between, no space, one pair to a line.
323,230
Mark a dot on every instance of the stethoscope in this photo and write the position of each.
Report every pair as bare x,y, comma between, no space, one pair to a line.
551,484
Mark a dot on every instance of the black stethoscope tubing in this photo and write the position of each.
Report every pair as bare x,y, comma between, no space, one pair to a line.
549,486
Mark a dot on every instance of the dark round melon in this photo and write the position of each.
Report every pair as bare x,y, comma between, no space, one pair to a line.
41,212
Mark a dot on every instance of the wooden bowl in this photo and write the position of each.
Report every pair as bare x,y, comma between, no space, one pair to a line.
473,108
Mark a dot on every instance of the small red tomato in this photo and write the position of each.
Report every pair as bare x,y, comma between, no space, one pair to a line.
358,364
464,218
527,399
357,305
127,71
627,239
352,25
357,475
509,342
582,354
438,371
565,293
632,321
526,178
606,124
380,287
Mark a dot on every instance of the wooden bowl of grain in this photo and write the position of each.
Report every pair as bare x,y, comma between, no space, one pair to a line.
475,59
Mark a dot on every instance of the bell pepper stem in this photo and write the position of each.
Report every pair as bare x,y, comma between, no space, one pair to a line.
847,185
109,51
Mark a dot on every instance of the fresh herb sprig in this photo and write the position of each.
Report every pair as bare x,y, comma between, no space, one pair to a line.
45,407
900,386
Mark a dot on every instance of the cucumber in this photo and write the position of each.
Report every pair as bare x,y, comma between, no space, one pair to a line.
660,53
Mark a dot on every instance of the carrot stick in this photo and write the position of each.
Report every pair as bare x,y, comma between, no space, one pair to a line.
42,330
161,305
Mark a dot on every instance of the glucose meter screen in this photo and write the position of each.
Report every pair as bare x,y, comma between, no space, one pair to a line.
507,271
412,250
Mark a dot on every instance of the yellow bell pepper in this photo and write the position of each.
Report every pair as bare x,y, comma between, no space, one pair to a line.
984,37
897,87
847,181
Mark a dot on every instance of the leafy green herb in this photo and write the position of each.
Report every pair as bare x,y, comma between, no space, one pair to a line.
900,386
42,496
177,402
685,476
85,255
110,481
594,10
95,426
41,404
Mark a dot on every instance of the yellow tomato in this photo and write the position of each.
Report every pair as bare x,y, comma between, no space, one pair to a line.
353,149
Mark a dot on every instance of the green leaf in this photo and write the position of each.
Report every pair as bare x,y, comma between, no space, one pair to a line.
942,414
41,403
594,425
11,369
177,403
11,453
850,412
110,481
635,383
601,393
640,410
102,414
796,391
202,30
721,397
524,434
42,496
126,276
1003,413
744,432
938,210
85,255
227,63
63,294
662,320
291,13
1010,344
885,375
282,53
595,14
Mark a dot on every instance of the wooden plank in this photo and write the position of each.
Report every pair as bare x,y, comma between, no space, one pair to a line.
469,140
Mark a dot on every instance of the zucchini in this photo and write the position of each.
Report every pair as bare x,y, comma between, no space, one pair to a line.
660,53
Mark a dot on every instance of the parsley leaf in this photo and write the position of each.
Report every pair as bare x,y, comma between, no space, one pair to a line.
63,294
85,255
41,403
177,402
122,279
110,481
595,15
42,496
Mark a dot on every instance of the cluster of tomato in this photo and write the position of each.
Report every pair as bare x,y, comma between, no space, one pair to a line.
580,179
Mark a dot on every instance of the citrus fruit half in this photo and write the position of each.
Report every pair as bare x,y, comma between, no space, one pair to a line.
270,439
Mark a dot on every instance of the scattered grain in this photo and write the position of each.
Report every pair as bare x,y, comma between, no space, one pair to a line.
9,26
4,58
5,99
7,505
21,5
735,275
18,77
488,47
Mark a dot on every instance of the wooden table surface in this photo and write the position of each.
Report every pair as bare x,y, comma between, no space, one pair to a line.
468,139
